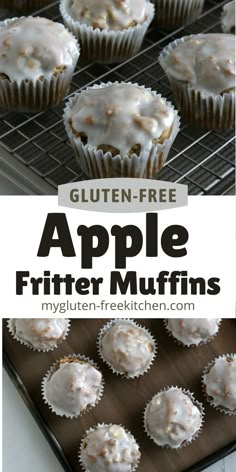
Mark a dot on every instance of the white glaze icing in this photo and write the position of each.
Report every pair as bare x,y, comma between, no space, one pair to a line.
109,448
31,48
73,387
40,333
205,61
194,330
172,419
228,17
220,382
127,348
109,14
121,115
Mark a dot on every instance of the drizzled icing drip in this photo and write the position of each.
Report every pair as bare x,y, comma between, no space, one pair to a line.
128,348
40,333
73,387
33,48
109,14
109,448
220,382
121,115
228,17
193,330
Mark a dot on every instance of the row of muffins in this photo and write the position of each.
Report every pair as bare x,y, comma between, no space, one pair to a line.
75,383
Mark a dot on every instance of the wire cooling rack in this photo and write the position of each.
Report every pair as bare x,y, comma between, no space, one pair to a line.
204,160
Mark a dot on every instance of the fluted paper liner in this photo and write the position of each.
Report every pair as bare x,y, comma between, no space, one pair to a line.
106,328
200,108
97,164
209,399
53,369
181,344
176,13
39,95
98,426
10,326
195,403
107,46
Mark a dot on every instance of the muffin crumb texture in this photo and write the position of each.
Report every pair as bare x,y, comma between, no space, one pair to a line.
109,448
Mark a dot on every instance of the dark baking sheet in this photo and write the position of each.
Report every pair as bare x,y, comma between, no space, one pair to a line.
124,400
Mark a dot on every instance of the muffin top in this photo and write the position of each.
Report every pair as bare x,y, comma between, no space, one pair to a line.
109,448
35,48
127,348
228,18
193,331
172,419
74,386
205,61
109,14
121,116
39,333
220,382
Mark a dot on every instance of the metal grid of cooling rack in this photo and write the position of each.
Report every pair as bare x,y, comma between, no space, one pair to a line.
204,160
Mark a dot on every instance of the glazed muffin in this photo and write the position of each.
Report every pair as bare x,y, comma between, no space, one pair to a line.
37,60
126,347
120,130
193,331
173,418
219,383
201,71
40,334
24,6
228,18
109,448
72,386
176,13
108,30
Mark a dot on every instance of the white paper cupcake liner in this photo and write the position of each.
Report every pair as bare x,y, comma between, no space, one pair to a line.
107,46
97,164
23,6
35,96
181,344
10,325
176,13
209,399
227,21
53,369
129,322
194,401
200,108
101,425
